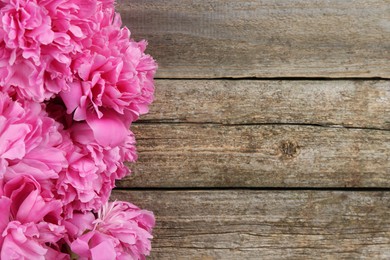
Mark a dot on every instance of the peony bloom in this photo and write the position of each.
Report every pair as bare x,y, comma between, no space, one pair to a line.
20,241
122,231
71,84
25,28
29,138
79,224
29,203
87,183
39,40
25,241
29,141
30,223
113,76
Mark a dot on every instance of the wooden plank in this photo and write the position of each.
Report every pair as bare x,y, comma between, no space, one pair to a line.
236,224
264,38
351,103
212,155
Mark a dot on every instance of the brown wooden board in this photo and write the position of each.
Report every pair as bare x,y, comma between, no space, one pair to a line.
265,133
264,38
349,103
213,155
312,112
243,224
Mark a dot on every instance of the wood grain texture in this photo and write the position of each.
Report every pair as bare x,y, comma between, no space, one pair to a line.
267,224
349,103
232,134
213,155
265,38
265,133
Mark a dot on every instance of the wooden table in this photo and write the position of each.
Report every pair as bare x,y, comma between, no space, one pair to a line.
270,134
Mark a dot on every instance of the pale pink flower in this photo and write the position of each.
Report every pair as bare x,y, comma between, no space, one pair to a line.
109,157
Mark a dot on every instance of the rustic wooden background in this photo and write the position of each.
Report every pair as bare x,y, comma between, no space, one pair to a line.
270,134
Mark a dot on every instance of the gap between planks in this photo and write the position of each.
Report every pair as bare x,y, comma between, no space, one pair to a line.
218,189
279,78
347,103
162,122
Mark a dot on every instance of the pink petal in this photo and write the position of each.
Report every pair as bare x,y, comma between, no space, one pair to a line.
103,251
109,131
5,206
14,139
76,30
72,97
19,242
80,245
31,201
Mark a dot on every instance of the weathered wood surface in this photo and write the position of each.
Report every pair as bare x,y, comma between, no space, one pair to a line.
212,155
206,132
253,133
264,38
236,224
349,103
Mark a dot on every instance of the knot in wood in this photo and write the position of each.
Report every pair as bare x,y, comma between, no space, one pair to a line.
289,149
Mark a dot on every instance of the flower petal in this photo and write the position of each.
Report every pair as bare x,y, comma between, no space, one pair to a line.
109,130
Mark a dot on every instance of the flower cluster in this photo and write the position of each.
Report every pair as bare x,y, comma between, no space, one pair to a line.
71,83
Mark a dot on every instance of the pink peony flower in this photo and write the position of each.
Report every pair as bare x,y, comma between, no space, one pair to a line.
28,241
122,231
79,224
5,57
20,241
95,246
110,157
113,76
71,84
29,142
39,39
29,204
24,28
30,222
87,183
5,216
